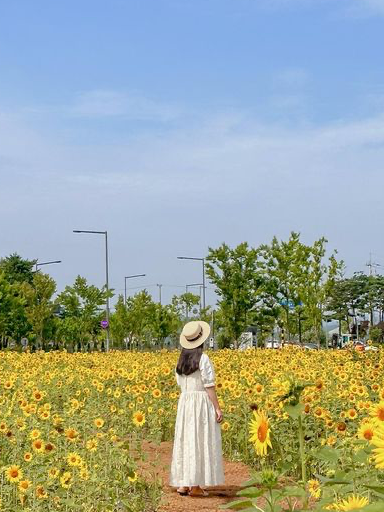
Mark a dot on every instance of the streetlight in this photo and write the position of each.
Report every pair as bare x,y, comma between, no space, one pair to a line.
46,263
203,262
125,283
105,233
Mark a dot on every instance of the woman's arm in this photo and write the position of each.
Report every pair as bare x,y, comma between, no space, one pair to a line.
211,390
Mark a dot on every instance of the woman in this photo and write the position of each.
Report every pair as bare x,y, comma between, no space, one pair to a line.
197,458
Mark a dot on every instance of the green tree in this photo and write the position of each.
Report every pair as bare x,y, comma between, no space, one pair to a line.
338,303
82,307
286,267
237,282
133,321
164,323
299,279
11,309
40,306
379,296
184,304
17,269
119,321
320,281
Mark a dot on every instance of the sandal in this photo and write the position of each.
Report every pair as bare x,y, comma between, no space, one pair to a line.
202,494
184,492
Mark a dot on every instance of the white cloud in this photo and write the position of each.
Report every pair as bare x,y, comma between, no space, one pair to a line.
364,8
109,103
351,7
239,178
292,77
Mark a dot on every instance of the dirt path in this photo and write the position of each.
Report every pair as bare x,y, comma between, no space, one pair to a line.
235,474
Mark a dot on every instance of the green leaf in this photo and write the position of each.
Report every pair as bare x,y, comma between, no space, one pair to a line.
360,457
237,505
294,491
294,411
252,481
251,492
335,481
377,488
374,507
328,454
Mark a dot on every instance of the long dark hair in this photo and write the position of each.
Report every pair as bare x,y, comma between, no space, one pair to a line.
189,360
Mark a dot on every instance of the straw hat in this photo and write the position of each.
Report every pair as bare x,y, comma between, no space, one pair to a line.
194,334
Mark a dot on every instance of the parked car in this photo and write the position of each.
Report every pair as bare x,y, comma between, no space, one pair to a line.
273,344
311,346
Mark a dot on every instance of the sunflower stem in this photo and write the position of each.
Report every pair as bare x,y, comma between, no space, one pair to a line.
302,455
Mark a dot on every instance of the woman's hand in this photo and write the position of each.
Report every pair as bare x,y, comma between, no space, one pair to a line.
219,415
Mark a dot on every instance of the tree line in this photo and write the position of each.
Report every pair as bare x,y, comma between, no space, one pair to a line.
287,286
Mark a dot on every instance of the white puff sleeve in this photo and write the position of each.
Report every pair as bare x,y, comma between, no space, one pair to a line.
177,378
207,371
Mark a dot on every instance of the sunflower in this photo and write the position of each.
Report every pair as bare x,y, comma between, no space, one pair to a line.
24,485
378,441
28,456
352,503
99,422
13,474
260,433
84,473
41,493
53,473
366,432
44,415
132,478
377,412
35,434
66,480
92,445
138,418
156,393
73,459
341,427
38,445
37,395
259,388
314,488
225,426
49,447
71,434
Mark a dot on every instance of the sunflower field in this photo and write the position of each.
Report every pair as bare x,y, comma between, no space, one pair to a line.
72,427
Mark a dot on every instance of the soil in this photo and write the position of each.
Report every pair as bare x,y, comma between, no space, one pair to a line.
158,464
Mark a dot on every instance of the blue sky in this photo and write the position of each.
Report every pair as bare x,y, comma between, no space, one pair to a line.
179,124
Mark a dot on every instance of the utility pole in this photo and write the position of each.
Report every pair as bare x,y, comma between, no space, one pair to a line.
372,269
105,234
372,265
159,285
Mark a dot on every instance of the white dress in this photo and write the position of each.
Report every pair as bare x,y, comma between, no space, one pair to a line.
197,455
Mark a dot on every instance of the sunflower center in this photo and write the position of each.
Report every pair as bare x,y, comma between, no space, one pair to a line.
380,414
262,432
368,434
